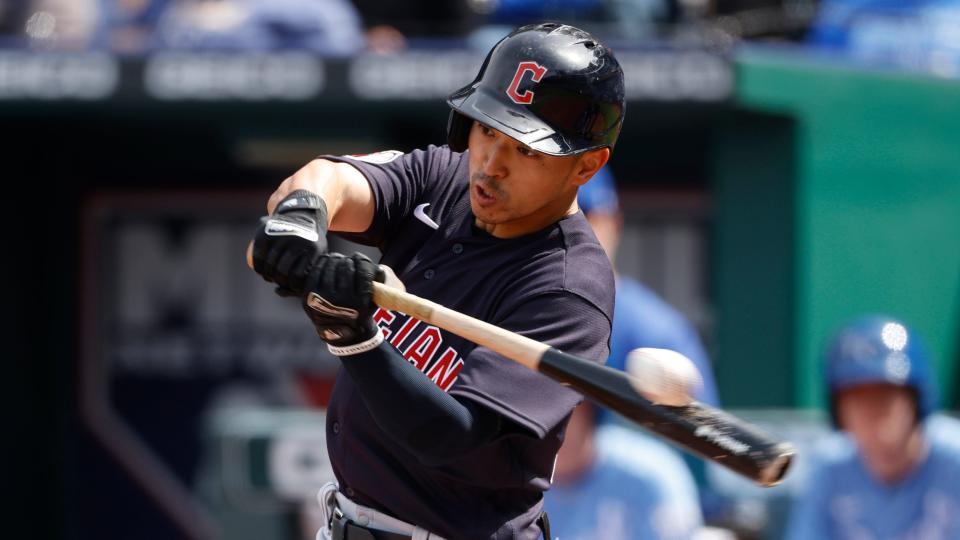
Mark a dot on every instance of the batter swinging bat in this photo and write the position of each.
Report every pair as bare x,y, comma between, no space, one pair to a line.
711,433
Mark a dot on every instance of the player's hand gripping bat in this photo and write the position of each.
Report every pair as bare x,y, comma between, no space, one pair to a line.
709,432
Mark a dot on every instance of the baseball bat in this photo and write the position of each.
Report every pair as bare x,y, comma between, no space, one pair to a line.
709,432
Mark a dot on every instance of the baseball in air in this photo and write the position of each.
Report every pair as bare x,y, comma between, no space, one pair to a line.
663,376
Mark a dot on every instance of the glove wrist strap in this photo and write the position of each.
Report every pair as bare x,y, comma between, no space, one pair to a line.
357,348
302,199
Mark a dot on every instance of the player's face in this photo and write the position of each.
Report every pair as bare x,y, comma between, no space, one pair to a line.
515,190
882,420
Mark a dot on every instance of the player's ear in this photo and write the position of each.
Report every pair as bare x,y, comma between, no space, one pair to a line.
589,163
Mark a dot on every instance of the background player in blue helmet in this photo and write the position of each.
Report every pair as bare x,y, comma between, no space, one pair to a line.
426,431
896,474
612,481
641,318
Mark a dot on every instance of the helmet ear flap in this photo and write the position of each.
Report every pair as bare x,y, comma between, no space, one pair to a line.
458,131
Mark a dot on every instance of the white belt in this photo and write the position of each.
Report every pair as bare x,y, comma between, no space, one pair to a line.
331,499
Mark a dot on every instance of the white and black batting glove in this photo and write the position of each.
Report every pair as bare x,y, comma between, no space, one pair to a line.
339,301
287,242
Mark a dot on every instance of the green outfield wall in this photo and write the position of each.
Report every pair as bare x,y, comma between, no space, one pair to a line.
838,193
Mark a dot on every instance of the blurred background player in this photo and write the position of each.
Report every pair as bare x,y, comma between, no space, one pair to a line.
641,317
613,481
331,28
896,473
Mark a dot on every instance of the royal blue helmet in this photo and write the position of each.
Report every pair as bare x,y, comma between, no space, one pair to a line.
599,194
880,349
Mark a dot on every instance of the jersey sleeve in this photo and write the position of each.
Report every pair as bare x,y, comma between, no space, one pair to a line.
561,319
399,183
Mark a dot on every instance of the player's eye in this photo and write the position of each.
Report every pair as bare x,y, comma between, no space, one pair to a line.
485,130
527,151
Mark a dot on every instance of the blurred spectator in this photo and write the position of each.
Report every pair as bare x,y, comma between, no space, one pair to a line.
121,26
612,482
519,12
641,318
499,17
638,19
418,18
917,35
325,27
625,19
390,24
126,26
895,475
57,24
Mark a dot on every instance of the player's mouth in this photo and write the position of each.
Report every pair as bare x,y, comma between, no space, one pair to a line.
483,197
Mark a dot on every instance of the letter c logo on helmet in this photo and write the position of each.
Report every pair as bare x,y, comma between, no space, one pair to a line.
526,97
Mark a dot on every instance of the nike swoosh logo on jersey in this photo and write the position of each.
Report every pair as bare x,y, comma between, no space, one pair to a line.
286,228
418,213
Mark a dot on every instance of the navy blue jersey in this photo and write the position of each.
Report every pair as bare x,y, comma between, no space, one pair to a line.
554,285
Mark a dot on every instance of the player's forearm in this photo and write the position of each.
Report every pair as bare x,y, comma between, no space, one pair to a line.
343,188
423,419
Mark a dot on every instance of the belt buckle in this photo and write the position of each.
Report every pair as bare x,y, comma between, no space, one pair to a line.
341,528
338,525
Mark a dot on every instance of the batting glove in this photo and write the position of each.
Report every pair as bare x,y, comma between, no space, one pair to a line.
339,301
287,242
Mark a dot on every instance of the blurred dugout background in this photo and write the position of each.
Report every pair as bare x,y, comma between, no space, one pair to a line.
779,173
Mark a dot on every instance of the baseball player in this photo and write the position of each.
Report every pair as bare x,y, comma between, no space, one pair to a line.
429,435
615,483
896,476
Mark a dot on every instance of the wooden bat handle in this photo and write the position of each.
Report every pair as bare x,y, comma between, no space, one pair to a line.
514,346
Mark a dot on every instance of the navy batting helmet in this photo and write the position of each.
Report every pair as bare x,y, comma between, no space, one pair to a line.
880,349
552,87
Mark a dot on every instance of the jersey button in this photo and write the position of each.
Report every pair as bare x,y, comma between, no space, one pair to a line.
336,428
429,273
457,249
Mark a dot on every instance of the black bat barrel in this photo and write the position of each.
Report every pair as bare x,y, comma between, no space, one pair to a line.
706,431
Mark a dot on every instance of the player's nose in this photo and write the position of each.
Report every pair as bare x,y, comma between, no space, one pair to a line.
494,159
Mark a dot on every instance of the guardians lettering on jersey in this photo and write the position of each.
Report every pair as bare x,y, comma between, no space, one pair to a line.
420,344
